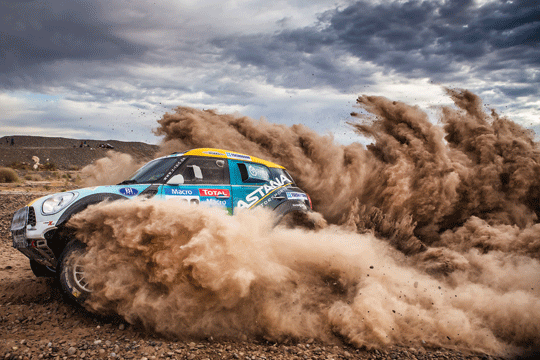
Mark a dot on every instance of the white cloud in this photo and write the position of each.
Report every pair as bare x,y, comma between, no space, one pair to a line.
12,107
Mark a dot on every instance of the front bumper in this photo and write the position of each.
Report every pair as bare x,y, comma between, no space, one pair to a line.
29,236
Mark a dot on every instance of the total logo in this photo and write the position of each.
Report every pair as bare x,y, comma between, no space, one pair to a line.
262,191
215,192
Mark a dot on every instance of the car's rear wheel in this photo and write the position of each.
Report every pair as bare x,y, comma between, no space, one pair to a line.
301,219
72,274
42,270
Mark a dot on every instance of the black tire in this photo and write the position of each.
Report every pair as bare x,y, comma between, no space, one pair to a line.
71,273
42,270
295,219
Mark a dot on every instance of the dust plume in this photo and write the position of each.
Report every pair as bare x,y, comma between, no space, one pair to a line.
112,169
432,236
413,183
186,270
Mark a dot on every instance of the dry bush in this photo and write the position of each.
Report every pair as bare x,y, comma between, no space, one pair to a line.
20,165
8,175
33,177
48,166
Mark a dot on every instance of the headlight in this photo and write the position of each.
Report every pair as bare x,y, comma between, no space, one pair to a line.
57,202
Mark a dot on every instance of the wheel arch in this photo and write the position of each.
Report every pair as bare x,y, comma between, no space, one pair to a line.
288,207
62,235
83,203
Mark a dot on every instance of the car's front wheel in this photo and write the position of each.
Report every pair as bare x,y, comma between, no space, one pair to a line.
72,274
42,270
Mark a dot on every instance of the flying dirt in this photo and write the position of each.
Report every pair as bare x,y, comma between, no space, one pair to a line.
431,236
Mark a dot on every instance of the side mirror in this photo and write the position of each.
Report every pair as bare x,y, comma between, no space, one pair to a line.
176,180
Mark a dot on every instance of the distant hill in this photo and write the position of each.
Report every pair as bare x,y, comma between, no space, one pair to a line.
65,153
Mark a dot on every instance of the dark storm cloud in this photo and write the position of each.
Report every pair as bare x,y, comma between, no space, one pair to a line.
514,92
37,32
423,39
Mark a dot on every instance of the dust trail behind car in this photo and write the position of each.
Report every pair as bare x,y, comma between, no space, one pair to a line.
454,259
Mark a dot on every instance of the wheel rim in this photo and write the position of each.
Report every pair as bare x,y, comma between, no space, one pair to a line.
79,276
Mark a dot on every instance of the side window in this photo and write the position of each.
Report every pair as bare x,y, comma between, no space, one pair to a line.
253,173
205,171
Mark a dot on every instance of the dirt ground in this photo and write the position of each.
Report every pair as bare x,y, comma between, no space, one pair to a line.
37,323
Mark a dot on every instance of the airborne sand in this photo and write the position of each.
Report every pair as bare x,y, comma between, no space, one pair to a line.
432,236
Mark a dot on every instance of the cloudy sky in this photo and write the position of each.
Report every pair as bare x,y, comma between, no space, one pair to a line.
109,69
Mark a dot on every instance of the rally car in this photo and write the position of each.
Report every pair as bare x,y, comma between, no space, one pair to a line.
212,177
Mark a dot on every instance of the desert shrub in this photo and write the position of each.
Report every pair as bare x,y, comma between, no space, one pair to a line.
33,177
73,167
20,165
8,175
48,166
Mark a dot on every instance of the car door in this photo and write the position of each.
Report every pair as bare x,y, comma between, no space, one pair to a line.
253,185
204,181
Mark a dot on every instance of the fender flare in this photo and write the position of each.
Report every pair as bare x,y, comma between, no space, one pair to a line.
83,203
290,206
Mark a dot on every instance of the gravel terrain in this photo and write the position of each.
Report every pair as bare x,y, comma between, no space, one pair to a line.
66,154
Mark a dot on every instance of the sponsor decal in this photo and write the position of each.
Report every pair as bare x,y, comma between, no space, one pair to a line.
262,191
48,223
258,172
181,192
213,153
214,202
190,195
129,191
296,196
215,192
238,156
173,168
273,197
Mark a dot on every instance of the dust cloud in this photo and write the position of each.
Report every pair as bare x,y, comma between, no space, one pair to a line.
112,169
432,236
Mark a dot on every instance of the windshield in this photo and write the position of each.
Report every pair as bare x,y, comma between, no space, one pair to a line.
152,171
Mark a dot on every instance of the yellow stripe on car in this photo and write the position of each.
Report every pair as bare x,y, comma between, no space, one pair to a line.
226,154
